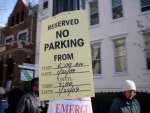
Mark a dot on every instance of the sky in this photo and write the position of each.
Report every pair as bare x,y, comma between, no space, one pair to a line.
6,7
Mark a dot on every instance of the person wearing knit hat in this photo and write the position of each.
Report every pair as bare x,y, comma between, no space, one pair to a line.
126,102
129,89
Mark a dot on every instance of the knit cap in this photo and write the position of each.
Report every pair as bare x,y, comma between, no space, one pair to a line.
129,85
2,91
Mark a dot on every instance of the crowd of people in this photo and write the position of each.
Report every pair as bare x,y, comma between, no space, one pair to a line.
16,100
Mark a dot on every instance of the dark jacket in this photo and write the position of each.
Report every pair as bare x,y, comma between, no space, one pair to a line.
28,104
122,105
1,108
13,98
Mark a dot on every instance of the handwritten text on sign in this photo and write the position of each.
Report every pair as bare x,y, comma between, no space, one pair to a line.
65,57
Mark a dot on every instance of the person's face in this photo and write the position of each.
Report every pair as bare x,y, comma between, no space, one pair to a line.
129,94
36,88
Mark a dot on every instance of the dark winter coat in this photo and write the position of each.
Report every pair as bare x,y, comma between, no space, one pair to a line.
13,98
122,105
28,104
1,108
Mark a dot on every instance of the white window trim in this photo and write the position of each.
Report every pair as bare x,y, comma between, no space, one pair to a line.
123,11
146,72
10,37
124,73
100,43
88,8
23,31
43,4
145,63
45,13
140,9
80,7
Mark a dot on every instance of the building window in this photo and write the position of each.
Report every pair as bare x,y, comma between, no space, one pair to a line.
96,58
22,39
82,4
17,18
147,49
117,9
12,21
66,5
120,55
145,5
22,16
1,38
45,4
94,14
9,40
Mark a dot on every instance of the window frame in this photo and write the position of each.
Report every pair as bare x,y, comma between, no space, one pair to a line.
22,16
114,19
114,55
97,44
90,14
45,3
142,7
145,54
17,18
12,40
26,41
61,9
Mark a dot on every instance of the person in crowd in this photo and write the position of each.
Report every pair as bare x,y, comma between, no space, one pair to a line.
14,96
3,100
8,84
29,103
126,102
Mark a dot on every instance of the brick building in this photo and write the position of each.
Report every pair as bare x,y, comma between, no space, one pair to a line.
17,41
